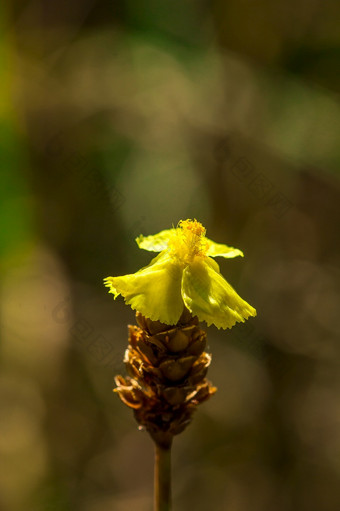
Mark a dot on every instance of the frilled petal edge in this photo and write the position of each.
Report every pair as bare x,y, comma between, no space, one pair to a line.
220,250
156,242
209,296
155,290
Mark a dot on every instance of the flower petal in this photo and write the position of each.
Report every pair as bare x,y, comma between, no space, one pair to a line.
156,242
209,296
155,290
218,249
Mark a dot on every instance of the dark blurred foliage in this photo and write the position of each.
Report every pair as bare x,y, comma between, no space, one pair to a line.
120,118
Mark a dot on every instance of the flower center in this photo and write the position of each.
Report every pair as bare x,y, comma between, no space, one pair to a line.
188,241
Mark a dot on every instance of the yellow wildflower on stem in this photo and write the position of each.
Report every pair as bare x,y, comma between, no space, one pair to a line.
166,359
184,274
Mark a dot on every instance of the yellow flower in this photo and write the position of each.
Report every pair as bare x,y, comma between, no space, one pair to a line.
183,274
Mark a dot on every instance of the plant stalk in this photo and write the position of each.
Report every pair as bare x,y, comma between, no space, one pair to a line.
162,478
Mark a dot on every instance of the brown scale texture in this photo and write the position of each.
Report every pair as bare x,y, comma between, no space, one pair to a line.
167,368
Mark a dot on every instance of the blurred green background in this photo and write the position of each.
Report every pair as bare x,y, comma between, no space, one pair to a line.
121,118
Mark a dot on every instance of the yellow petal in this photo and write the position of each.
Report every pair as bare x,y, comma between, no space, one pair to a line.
156,242
209,296
218,249
154,290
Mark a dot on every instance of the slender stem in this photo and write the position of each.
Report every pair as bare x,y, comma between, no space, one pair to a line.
162,478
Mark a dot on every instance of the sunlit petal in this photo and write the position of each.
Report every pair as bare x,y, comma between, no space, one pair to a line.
154,290
209,296
156,242
220,250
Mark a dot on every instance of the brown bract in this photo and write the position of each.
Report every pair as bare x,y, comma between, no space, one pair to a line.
167,368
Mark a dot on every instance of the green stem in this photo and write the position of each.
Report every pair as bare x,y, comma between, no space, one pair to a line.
162,478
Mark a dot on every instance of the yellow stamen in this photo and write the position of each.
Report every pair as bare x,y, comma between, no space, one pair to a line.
188,241
193,226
